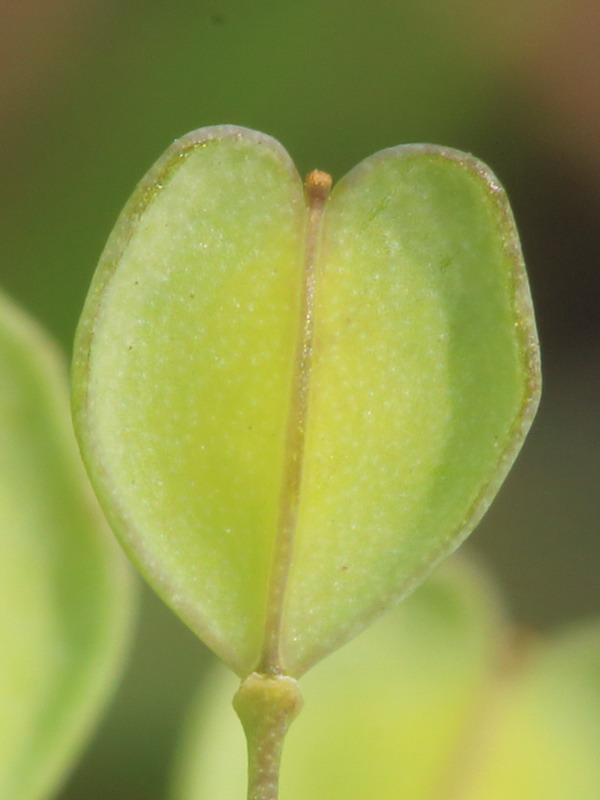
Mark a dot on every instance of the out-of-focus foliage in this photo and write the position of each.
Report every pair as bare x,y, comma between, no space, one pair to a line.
435,702
543,734
64,591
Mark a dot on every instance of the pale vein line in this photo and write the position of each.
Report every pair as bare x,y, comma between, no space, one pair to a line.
316,187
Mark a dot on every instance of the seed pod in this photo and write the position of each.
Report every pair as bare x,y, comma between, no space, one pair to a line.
292,403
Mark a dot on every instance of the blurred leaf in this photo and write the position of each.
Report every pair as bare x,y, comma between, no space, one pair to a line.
385,717
64,591
292,411
543,739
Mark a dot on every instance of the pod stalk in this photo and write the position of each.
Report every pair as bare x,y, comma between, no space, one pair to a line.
266,706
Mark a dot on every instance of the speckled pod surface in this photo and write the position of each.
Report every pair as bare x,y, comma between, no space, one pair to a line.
292,403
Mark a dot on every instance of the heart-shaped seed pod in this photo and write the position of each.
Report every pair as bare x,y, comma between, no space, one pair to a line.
293,403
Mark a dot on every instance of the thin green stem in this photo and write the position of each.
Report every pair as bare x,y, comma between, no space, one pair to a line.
266,706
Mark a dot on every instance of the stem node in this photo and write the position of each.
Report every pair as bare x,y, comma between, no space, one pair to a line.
266,706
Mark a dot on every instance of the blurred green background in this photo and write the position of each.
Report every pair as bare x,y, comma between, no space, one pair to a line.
92,91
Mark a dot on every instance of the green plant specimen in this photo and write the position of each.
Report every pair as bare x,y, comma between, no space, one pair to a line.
437,701
64,590
293,403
